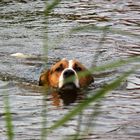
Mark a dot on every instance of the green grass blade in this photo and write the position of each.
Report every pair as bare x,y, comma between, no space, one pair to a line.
94,98
8,118
51,6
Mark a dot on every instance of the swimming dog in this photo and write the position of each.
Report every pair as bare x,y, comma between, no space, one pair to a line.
66,75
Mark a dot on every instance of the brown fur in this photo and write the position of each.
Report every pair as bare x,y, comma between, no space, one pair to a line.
50,77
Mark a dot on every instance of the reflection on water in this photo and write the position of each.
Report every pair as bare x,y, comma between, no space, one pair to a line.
64,98
22,30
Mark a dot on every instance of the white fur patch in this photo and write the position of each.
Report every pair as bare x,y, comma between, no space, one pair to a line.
61,78
70,63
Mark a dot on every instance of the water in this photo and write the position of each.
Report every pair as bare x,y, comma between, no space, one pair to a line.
23,29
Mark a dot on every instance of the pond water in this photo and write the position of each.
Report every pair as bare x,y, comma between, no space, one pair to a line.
23,30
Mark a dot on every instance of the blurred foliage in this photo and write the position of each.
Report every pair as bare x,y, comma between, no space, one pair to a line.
8,118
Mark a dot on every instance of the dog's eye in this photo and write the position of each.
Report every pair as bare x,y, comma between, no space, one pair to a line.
78,69
59,69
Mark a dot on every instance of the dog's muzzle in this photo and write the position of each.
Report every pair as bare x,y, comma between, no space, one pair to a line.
68,73
68,79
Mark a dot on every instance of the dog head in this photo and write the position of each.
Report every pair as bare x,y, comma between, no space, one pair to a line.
66,75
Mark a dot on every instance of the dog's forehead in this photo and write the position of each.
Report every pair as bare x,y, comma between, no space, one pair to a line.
68,63
63,61
75,62
71,63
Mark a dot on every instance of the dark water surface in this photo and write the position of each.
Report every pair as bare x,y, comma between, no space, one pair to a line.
22,30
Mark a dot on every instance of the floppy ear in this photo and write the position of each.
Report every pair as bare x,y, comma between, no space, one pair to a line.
44,78
86,79
90,78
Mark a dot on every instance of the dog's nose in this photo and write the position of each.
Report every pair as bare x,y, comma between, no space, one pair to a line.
68,73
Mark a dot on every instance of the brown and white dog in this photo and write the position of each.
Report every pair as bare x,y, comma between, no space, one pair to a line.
56,76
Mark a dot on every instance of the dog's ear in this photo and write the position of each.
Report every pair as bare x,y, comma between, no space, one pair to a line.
90,78
44,78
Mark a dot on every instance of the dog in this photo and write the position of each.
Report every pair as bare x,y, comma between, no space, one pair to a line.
66,75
